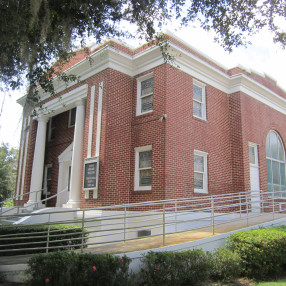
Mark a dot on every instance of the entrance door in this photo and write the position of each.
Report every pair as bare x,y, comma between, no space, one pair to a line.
254,177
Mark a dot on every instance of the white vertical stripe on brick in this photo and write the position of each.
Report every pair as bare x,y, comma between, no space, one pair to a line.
99,115
90,125
27,134
23,136
98,128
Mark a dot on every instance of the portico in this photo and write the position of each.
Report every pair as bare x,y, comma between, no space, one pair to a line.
73,99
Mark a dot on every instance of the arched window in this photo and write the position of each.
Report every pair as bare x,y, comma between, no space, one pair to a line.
275,158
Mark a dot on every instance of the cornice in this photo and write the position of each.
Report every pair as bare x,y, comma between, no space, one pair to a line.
110,57
63,103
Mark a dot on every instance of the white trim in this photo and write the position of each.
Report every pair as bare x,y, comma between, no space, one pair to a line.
203,102
90,125
21,155
205,173
99,117
139,97
109,57
136,174
254,145
65,102
25,156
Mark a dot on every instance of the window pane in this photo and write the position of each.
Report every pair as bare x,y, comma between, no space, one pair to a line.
282,173
276,172
269,171
252,155
199,181
72,117
199,163
281,151
198,93
274,145
270,188
145,159
145,178
147,103
268,150
147,86
197,109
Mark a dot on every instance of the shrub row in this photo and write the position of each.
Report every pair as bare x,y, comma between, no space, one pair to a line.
256,254
193,267
26,239
262,251
71,269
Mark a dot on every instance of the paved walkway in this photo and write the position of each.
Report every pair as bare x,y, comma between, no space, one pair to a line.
157,241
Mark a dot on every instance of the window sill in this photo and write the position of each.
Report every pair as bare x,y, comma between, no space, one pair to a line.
196,191
200,119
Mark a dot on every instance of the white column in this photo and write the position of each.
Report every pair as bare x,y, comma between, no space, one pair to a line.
77,157
38,162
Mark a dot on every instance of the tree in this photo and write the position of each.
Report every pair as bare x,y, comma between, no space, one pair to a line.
8,171
34,33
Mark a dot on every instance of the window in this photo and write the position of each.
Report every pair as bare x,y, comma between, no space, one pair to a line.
72,116
200,172
253,154
51,129
47,180
143,168
199,100
275,159
144,94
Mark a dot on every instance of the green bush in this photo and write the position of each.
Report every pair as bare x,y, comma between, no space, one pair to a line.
262,251
226,265
190,267
71,269
33,239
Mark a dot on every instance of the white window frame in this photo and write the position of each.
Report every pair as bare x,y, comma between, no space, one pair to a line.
139,104
50,129
282,194
205,173
46,179
70,115
137,187
203,102
253,145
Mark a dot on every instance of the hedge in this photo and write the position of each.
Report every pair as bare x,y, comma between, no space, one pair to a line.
262,251
192,267
31,239
74,269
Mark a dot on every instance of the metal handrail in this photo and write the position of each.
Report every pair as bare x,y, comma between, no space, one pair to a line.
121,222
33,204
15,197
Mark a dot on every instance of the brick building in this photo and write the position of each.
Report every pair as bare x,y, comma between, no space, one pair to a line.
138,129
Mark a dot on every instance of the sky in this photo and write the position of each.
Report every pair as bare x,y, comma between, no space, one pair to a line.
262,56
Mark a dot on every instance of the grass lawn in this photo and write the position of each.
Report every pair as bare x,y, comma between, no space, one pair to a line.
281,282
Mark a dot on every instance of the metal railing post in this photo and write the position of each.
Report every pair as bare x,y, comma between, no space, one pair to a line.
240,205
124,224
82,230
48,236
176,215
246,201
273,207
164,229
212,211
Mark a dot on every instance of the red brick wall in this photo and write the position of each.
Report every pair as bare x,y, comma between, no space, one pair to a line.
257,120
114,168
185,133
232,121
